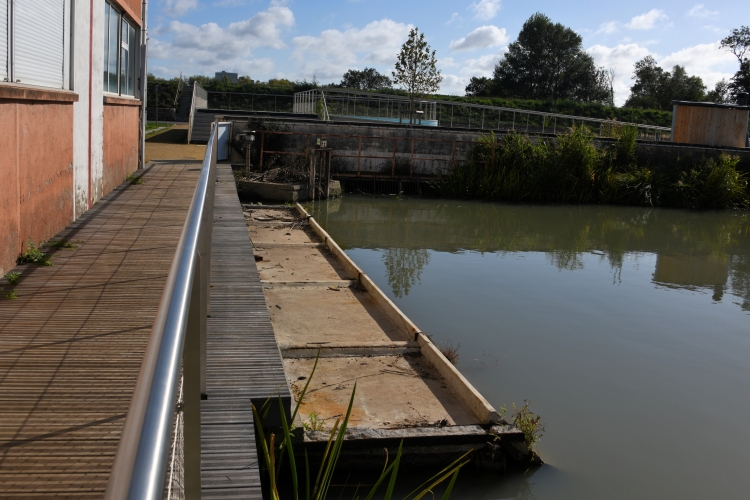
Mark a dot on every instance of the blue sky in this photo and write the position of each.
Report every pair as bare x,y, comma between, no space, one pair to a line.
301,39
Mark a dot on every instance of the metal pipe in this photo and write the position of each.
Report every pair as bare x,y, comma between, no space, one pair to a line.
140,465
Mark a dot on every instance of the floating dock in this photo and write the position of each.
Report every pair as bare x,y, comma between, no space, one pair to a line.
319,301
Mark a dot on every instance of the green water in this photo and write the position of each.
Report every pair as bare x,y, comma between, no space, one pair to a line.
628,328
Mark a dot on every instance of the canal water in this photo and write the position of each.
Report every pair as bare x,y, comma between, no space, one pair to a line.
627,328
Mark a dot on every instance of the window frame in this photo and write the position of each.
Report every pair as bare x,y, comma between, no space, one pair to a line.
67,48
133,54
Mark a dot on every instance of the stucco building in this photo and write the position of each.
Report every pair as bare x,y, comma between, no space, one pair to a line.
72,77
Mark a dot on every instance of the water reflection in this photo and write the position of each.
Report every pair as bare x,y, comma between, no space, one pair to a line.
705,251
403,267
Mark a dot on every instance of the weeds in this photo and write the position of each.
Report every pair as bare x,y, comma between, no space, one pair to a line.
529,422
134,180
13,278
12,295
34,255
572,169
274,453
60,244
315,423
450,351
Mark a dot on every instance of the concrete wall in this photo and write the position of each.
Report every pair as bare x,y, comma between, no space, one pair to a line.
433,148
120,154
36,166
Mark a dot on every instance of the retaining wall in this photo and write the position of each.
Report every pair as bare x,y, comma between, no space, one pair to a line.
382,150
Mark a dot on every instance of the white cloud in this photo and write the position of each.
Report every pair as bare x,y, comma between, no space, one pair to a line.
607,28
333,52
481,38
454,17
700,11
706,60
647,21
210,47
484,65
486,9
176,8
621,58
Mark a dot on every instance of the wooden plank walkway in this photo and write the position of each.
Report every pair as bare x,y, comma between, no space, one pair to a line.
243,361
71,345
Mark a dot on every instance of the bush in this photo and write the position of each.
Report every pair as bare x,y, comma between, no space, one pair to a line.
572,169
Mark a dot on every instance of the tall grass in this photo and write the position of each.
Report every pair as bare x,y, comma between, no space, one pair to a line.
571,169
275,450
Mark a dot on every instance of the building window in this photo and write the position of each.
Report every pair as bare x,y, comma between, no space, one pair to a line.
120,52
35,42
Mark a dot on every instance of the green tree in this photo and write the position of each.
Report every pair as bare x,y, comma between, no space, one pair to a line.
738,43
366,79
480,86
416,70
655,88
720,94
547,61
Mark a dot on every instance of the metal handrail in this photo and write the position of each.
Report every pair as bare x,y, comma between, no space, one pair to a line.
398,98
139,470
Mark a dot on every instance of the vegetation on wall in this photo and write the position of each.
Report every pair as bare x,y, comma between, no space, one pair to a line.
571,169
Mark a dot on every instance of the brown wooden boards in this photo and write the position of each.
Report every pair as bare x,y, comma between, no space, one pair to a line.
71,344
243,361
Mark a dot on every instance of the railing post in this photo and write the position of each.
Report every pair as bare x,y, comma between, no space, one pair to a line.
191,369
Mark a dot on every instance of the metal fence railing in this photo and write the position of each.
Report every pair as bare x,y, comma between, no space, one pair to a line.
178,339
344,103
239,101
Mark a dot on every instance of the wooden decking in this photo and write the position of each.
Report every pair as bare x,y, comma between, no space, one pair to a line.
243,359
71,345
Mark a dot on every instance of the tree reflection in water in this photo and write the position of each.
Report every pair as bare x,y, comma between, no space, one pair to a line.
403,268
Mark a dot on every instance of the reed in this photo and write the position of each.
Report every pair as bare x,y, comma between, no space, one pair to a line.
571,169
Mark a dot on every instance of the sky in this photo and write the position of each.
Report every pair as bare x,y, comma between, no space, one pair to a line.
302,39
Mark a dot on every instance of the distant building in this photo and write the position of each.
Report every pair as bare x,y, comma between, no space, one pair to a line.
232,76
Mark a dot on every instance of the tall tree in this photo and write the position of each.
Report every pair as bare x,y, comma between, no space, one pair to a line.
480,86
416,70
738,43
547,61
366,79
655,88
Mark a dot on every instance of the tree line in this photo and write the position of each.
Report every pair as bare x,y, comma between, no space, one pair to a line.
547,62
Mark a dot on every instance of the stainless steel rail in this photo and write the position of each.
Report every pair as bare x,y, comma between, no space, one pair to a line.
178,334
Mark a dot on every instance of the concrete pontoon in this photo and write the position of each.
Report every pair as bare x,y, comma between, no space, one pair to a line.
321,303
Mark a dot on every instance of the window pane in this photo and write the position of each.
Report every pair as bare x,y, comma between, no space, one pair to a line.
132,51
114,23
106,45
124,69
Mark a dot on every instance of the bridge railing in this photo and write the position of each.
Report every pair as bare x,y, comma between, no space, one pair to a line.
390,108
177,346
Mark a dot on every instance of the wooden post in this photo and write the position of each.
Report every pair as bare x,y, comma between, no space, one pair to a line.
359,156
262,137
393,161
411,159
329,155
311,184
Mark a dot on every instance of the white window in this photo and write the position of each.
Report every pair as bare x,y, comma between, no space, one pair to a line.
35,45
120,53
